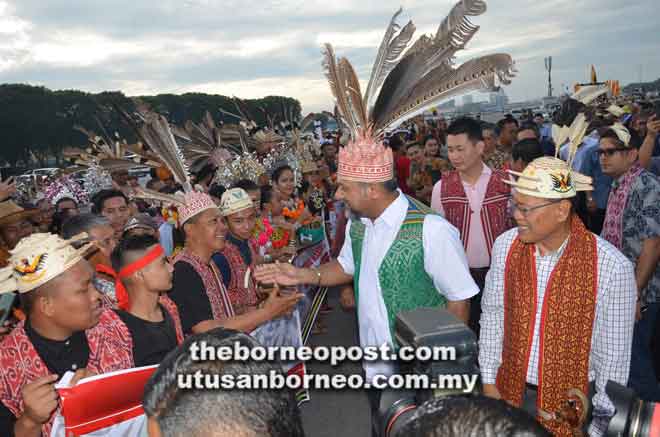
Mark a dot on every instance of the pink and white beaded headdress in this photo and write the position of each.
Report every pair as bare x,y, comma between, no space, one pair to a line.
406,80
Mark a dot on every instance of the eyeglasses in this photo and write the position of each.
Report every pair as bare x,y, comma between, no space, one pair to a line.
525,210
610,152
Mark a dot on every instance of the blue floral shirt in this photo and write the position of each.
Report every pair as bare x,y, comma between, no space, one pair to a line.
641,221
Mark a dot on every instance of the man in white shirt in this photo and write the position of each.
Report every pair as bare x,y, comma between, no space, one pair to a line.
558,307
399,254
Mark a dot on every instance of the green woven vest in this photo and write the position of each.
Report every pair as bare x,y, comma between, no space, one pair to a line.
403,280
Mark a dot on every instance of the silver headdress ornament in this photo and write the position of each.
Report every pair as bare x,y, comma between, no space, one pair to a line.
407,80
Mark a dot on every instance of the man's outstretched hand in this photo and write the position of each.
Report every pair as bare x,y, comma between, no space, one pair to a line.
282,274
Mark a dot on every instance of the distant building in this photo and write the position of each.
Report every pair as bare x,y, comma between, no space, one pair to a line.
498,99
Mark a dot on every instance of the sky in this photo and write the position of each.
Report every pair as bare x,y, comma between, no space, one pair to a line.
251,49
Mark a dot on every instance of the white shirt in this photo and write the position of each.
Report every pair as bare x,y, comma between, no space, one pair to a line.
444,262
609,357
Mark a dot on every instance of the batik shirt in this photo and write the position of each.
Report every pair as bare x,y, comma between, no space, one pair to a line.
641,221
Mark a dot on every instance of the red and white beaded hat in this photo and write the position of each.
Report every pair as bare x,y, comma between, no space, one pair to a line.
408,78
194,203
365,160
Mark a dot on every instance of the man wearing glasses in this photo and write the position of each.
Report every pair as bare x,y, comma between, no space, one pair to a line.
632,225
558,305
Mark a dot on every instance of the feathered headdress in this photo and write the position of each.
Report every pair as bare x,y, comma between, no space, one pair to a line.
111,155
405,81
550,177
155,132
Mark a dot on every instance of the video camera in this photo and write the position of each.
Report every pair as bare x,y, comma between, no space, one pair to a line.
634,417
427,327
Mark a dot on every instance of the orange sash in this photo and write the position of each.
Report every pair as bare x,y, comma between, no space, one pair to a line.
567,318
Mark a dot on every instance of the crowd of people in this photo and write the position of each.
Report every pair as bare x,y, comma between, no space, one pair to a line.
541,234
120,284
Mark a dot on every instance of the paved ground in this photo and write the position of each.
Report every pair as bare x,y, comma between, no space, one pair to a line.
336,413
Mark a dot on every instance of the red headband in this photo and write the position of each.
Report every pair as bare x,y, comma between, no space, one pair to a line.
136,266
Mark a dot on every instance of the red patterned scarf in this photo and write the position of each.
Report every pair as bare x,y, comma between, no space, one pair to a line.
567,318
171,308
110,350
215,290
616,204
242,299
494,208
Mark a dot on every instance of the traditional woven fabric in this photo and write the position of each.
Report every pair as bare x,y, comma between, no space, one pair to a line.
109,346
242,299
171,308
215,289
566,324
616,204
494,208
403,280
365,160
194,203
498,160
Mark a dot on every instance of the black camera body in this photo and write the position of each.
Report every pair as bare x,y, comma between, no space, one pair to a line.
432,328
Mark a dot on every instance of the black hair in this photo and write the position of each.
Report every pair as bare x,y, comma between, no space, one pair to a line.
82,223
429,138
635,141
391,185
499,127
538,114
205,172
217,190
246,184
568,111
415,144
468,126
395,143
609,133
266,195
99,199
466,415
530,125
62,200
278,172
132,243
527,150
172,399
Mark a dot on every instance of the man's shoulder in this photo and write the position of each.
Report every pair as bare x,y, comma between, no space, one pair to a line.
505,240
609,255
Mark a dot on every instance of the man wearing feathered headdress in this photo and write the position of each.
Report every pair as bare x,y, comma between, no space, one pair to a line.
399,255
198,290
632,225
558,306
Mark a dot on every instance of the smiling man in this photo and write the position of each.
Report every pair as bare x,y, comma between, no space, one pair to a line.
397,253
65,330
240,253
558,306
632,225
198,290
113,205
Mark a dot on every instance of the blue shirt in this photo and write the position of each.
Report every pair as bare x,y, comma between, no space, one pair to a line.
591,167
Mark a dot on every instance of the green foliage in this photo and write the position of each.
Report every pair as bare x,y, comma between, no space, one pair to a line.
37,121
